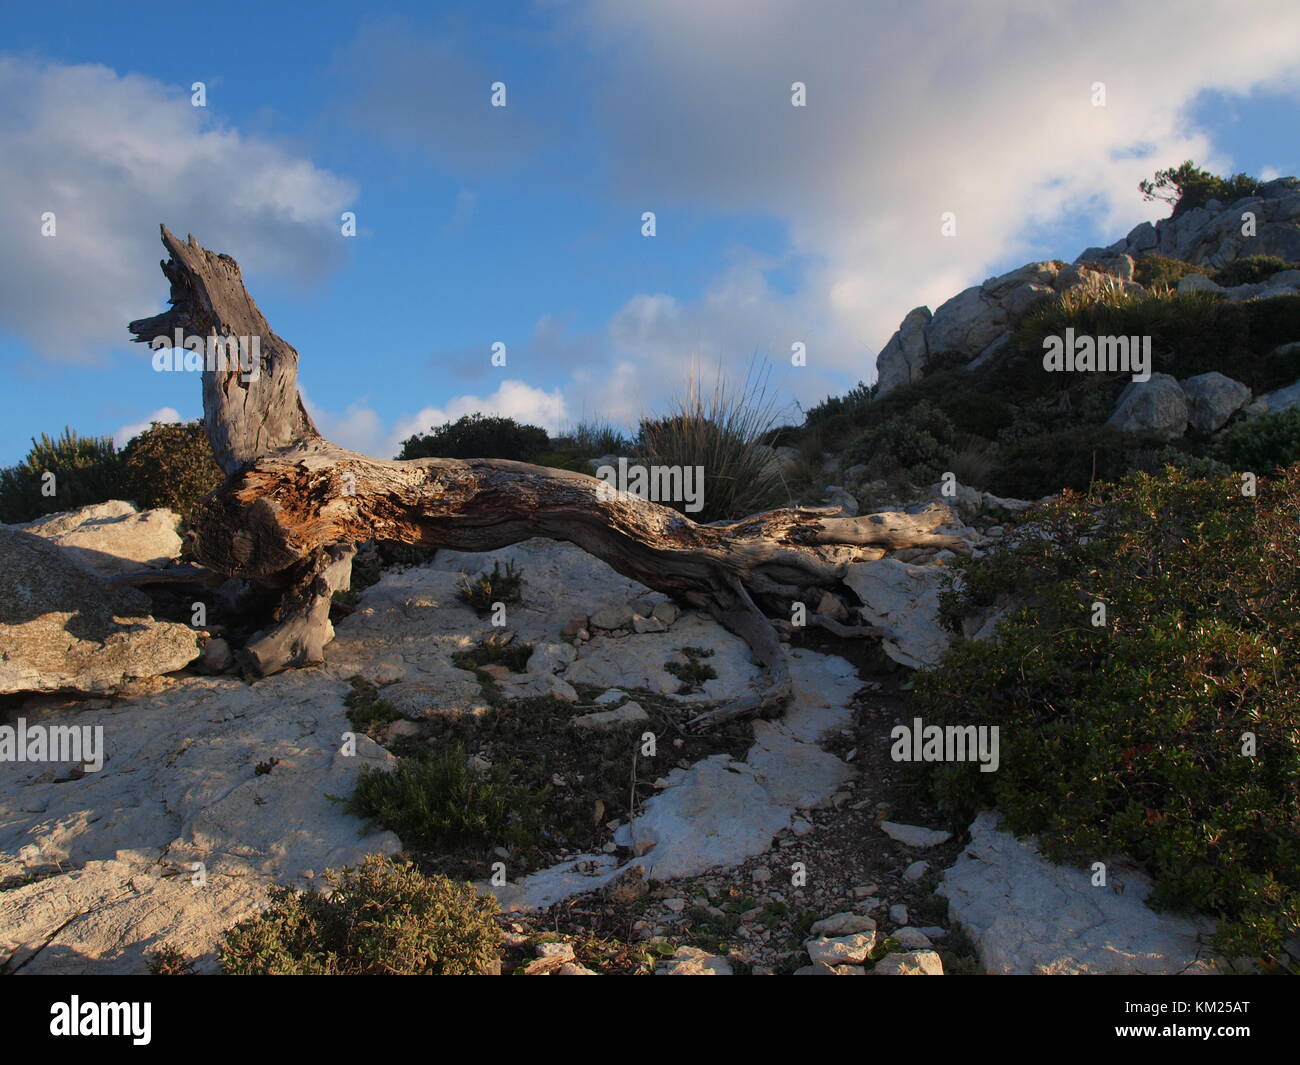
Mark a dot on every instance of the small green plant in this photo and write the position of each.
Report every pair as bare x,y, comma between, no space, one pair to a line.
168,961
84,470
382,918
367,711
513,655
477,436
486,589
436,799
693,672
263,768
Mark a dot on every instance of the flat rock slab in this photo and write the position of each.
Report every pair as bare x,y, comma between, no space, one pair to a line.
180,785
113,537
62,628
1027,915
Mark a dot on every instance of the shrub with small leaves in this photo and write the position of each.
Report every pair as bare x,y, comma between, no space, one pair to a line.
477,436
1262,444
85,470
1170,733
382,918
171,465
1250,270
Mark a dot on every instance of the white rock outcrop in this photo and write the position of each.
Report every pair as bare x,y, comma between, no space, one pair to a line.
1027,915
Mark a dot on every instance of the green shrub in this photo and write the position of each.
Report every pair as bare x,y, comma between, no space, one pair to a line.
1045,463
1188,187
382,918
476,436
1159,270
1250,270
917,443
592,439
1261,444
1191,333
171,465
1128,737
86,470
486,589
719,432
435,799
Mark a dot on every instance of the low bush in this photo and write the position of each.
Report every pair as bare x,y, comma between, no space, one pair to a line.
171,465
477,436
1261,444
1133,737
382,918
436,799
1153,270
484,590
1250,270
915,444
86,469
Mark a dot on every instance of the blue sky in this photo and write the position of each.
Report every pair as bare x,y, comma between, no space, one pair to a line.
522,224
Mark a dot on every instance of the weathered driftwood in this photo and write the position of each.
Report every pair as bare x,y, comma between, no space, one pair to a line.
294,506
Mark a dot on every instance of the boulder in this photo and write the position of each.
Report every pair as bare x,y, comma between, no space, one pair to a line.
62,628
1157,406
912,963
113,537
1275,402
903,600
1212,399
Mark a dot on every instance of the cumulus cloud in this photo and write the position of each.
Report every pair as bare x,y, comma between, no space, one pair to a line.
112,156
166,415
985,110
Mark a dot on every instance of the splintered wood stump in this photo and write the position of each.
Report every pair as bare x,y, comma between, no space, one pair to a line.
294,507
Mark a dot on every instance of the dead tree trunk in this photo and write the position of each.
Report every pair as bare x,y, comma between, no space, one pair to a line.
294,506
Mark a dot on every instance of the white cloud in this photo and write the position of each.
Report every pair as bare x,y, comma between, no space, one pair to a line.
112,156
166,415
982,109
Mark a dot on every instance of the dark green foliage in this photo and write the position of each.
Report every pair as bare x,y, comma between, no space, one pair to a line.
367,711
477,436
1127,738
1261,444
485,589
86,470
171,465
382,918
513,655
1047,462
1250,270
1151,270
435,799
694,671
1188,187
917,443
1190,334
